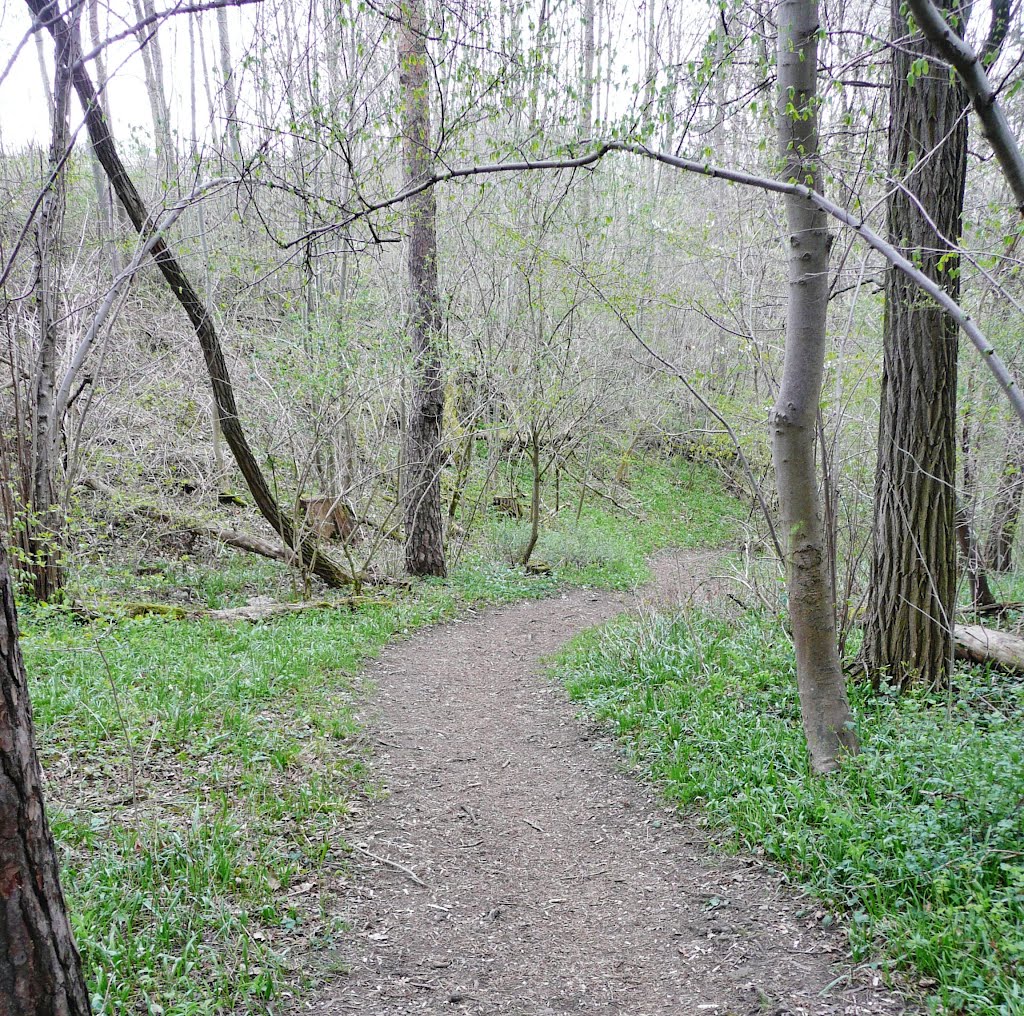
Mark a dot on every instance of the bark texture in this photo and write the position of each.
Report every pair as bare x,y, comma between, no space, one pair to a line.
823,701
999,649
40,971
908,634
1006,512
202,321
424,536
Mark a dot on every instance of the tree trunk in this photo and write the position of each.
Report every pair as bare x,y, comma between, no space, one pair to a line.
424,537
228,76
220,379
531,544
40,971
44,527
974,565
908,634
823,702
1007,506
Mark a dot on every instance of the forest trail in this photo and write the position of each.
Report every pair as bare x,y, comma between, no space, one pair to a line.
537,877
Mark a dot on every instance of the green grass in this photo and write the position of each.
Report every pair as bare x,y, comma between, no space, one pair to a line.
917,843
667,505
201,776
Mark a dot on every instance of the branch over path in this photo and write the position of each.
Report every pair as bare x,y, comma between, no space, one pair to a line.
516,869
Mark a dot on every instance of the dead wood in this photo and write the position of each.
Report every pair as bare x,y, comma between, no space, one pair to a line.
253,612
229,537
978,644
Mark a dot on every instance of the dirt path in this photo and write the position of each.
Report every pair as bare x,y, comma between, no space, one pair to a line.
541,879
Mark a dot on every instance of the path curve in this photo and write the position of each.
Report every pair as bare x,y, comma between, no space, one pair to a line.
531,876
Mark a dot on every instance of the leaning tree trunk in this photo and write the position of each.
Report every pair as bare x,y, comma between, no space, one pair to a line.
40,971
823,701
912,593
306,548
424,537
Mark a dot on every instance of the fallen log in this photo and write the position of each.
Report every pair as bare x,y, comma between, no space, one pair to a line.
253,612
978,644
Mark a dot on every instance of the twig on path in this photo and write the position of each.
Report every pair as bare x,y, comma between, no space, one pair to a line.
390,864
533,825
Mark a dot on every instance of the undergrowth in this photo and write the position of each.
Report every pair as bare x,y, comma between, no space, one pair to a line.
201,776
916,842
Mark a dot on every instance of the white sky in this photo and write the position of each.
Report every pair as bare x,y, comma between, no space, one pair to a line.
23,108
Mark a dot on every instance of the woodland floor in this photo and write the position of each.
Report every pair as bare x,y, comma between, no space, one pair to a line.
531,875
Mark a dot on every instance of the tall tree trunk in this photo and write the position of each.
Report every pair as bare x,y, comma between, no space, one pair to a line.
974,564
911,597
153,68
230,92
40,971
202,321
588,85
1007,506
823,702
45,525
424,538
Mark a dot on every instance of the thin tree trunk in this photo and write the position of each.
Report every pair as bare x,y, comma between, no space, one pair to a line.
1007,507
823,702
45,526
424,537
912,592
209,342
40,970
974,565
534,498
230,92
153,67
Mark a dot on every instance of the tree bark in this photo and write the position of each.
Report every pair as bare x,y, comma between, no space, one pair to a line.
1007,506
911,597
223,392
424,536
965,512
40,970
230,92
44,527
977,644
823,702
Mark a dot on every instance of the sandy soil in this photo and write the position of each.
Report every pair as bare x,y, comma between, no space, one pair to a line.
516,868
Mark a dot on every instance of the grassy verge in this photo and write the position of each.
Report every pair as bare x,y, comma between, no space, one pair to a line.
917,844
201,776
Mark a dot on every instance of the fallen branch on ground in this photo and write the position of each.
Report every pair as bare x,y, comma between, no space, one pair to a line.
977,644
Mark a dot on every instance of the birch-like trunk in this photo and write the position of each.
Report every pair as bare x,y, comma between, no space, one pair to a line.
230,91
823,702
424,537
